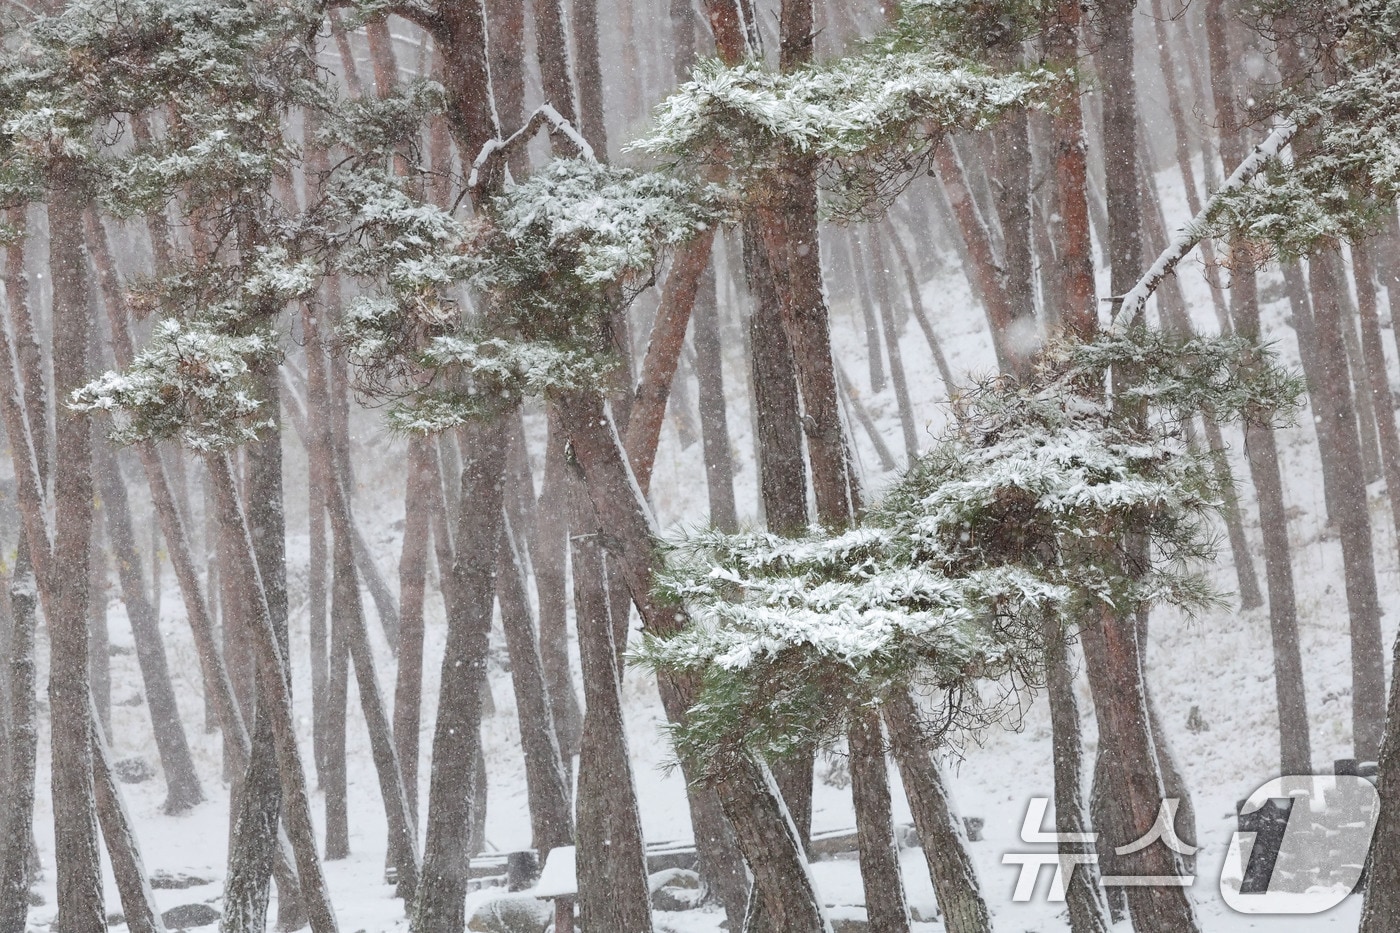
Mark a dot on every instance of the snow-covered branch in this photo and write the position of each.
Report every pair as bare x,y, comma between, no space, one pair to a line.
1191,234
497,150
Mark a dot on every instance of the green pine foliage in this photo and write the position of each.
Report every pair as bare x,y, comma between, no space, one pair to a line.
871,120
1027,510
1347,176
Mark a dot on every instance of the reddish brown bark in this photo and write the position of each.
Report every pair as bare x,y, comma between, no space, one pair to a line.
664,353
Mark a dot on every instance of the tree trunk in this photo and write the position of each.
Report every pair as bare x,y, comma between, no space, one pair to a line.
714,421
885,905
612,878
1079,314
752,797
70,702
981,265
17,817
916,308
940,830
881,274
1086,906
1383,404
99,636
873,357
550,555
338,689
546,783
1131,780
413,578
552,50
664,353
784,899
275,696
439,904
183,789
403,844
253,846
788,219
123,852
781,468
588,71
1295,753
1380,911
1332,400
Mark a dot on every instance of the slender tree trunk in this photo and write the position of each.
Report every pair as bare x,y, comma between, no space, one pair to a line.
403,844
70,702
714,421
439,904
550,555
868,314
413,577
17,816
1381,909
885,905
123,852
276,695
940,831
1295,754
338,689
1086,907
612,877
916,308
887,317
183,789
1332,400
981,266
253,847
99,637
766,837
545,777
1363,269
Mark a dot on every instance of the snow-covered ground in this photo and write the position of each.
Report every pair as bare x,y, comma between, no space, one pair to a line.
1219,665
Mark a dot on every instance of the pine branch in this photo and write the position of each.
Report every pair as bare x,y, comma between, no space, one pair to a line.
1187,237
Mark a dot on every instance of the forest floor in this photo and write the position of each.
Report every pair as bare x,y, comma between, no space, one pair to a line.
1219,665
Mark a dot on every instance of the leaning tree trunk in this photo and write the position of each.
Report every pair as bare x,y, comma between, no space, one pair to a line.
403,842
183,790
275,696
763,829
134,888
440,901
940,830
612,873
546,784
